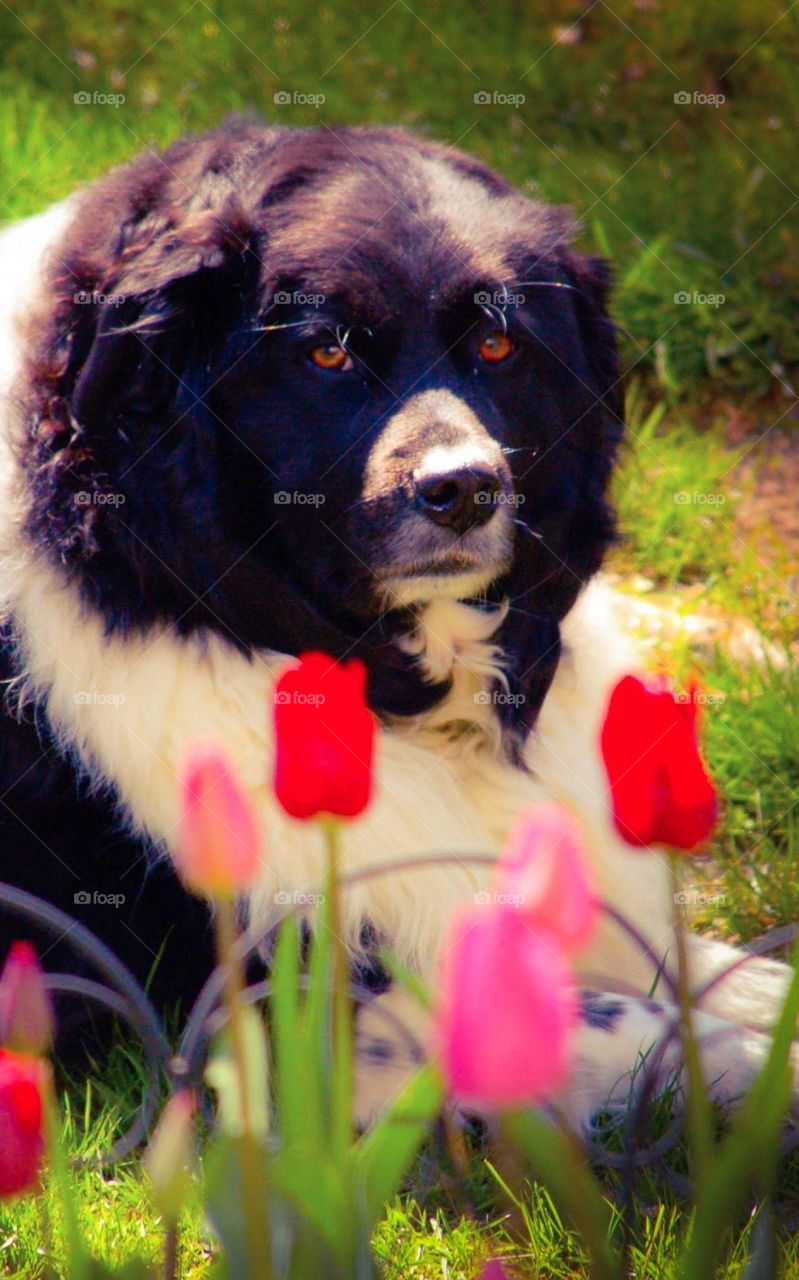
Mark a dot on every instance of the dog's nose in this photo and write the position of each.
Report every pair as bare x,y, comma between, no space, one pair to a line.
458,499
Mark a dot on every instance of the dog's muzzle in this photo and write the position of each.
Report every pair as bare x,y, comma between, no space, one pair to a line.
440,494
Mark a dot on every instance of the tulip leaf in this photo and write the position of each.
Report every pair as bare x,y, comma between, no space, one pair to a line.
559,1164
225,1201
382,1157
747,1154
763,1261
316,1020
298,1101
223,1076
318,1190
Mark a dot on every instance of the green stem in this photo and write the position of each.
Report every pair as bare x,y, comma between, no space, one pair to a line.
697,1116
59,1167
342,1054
171,1252
252,1158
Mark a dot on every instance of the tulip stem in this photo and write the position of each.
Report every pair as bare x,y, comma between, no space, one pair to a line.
171,1252
252,1159
341,1058
696,1102
76,1254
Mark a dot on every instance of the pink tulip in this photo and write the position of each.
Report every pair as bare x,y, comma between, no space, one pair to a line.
507,1007
494,1270
27,1023
544,872
217,851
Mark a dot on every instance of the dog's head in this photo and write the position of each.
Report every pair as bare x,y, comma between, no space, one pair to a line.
291,384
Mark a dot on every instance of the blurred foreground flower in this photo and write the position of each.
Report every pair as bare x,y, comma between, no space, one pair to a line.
324,738
507,1008
21,1122
660,789
544,870
170,1156
27,1024
494,1270
217,851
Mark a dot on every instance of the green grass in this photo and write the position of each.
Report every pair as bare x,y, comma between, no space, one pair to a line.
682,198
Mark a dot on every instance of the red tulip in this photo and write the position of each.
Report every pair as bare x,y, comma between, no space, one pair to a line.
217,851
507,1008
544,873
27,1024
21,1122
660,790
324,735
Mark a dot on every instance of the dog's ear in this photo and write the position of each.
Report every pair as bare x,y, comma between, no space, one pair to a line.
156,311
530,635
138,319
593,279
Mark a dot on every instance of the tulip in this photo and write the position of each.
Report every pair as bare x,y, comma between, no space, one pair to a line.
660,790
544,871
507,1008
27,1024
324,738
170,1155
21,1122
494,1270
217,851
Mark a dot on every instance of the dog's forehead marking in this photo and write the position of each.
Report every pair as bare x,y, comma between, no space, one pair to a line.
352,212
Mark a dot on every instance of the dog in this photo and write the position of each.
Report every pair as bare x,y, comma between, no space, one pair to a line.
343,389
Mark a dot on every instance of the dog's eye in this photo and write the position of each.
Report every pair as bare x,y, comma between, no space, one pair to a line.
331,356
496,347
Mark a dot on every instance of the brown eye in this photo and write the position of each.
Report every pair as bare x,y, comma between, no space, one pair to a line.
331,356
496,347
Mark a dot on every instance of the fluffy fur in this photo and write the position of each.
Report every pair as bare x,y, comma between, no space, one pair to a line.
152,582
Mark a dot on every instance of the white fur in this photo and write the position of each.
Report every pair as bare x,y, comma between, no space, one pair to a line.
441,784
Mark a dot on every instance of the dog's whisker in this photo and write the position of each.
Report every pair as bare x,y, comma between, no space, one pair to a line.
496,314
269,328
534,533
548,284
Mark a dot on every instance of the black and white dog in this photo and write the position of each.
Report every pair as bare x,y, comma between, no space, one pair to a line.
348,390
